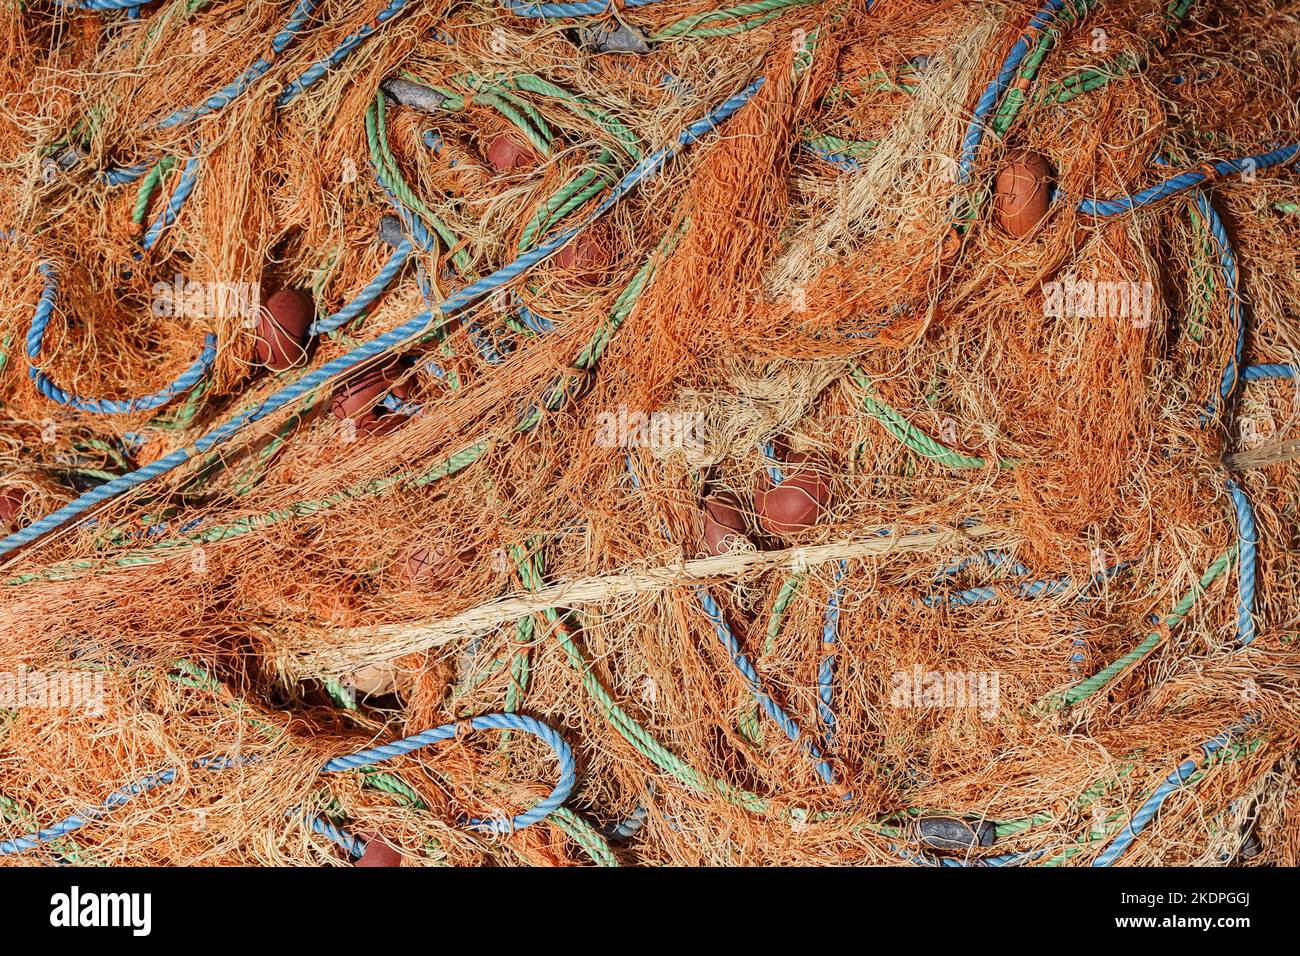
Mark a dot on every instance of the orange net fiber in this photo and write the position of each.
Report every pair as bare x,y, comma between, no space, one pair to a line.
771,434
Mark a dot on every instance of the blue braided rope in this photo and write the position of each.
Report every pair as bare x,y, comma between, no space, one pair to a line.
317,70
1041,587
989,558
562,11
223,97
826,669
126,174
114,800
563,753
1185,181
745,668
369,294
395,404
1256,373
185,186
1247,539
100,4
772,465
981,595
121,175
103,406
827,155
1236,305
742,664
1077,656
352,845
921,858
1147,812
627,828
459,300
993,93
539,324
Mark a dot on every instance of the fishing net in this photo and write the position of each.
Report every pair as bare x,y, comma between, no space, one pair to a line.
649,433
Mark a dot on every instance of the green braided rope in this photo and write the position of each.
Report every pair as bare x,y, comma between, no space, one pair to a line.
881,81
1202,299
1092,78
519,665
624,724
381,155
701,33
584,835
750,725
857,148
687,25
586,184
525,628
526,117
470,681
148,185
590,354
191,6
1108,674
530,83
169,548
1011,104
256,471
912,437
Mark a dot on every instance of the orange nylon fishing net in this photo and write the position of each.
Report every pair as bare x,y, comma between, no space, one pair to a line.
782,433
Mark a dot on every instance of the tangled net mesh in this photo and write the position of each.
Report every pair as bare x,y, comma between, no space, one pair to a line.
1030,601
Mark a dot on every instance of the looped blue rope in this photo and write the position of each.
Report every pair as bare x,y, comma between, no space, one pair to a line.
103,5
103,406
122,175
980,595
369,294
629,827
1037,588
564,787
745,668
1185,181
540,811
353,845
